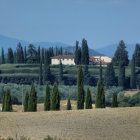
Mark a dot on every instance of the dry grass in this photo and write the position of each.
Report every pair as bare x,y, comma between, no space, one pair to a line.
131,92
40,107
95,124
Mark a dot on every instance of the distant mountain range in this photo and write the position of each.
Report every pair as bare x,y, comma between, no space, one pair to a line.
7,42
110,49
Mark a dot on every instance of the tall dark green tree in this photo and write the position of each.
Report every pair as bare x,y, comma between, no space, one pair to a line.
100,96
2,56
121,76
26,102
137,55
60,72
47,58
10,56
56,51
69,104
85,53
20,54
101,71
25,55
55,98
80,87
15,57
76,58
32,102
47,99
61,51
43,55
38,54
88,79
114,101
133,74
32,54
109,78
3,100
40,74
88,99
121,55
7,101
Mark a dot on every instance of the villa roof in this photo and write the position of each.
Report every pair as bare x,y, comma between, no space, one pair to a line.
63,56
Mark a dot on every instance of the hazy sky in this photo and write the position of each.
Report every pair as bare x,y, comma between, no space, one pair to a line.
101,22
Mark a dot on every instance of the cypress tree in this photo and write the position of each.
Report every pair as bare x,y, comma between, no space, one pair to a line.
47,99
56,51
10,56
80,92
20,54
7,101
38,54
88,99
61,51
68,104
15,57
100,97
2,57
3,101
25,55
109,78
85,53
40,74
101,71
32,103
133,75
47,58
87,77
60,72
47,72
114,101
137,55
55,98
121,76
43,53
26,102
121,55
76,58
52,53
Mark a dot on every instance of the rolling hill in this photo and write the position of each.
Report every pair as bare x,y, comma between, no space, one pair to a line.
7,42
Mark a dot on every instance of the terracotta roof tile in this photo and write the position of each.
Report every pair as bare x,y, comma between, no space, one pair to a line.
63,56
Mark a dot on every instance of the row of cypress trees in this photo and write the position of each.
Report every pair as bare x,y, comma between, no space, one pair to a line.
100,94
28,54
30,101
82,54
51,102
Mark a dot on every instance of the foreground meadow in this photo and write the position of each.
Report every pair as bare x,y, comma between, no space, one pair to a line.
95,124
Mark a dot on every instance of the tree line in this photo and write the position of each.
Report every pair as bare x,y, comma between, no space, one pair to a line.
121,60
52,98
29,55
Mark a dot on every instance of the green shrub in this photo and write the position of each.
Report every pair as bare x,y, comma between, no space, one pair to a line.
50,138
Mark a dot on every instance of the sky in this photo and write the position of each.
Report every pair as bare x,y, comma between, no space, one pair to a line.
100,22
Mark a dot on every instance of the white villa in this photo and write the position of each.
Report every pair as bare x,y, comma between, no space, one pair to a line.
65,59
96,60
69,60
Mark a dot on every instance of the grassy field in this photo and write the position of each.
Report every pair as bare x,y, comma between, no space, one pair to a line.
95,124
33,70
